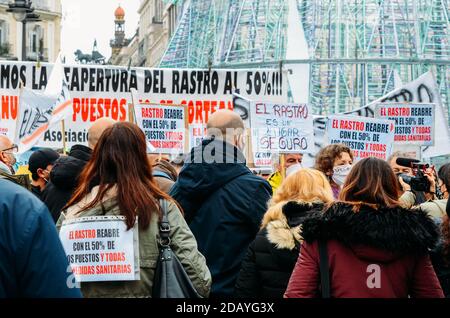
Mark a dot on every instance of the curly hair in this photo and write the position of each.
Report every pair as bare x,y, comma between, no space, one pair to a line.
326,157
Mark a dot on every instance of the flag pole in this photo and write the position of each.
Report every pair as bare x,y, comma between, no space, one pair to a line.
63,131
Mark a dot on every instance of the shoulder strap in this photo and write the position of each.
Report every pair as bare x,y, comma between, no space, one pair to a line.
324,269
161,174
164,226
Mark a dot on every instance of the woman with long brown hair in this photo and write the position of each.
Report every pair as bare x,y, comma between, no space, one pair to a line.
118,181
367,244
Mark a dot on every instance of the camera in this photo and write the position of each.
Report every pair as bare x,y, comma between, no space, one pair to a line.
419,182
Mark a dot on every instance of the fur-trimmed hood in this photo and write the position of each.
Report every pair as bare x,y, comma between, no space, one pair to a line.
372,231
285,232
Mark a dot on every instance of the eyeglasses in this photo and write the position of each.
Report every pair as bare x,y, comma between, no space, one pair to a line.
13,149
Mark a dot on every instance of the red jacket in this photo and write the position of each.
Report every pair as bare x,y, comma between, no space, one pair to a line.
371,254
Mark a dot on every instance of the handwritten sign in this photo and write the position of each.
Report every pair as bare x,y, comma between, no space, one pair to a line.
282,128
101,249
367,137
262,159
164,127
414,123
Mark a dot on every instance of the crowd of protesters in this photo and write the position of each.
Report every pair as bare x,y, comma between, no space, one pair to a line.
341,229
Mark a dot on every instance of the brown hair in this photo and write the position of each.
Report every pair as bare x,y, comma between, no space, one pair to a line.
371,181
120,159
326,156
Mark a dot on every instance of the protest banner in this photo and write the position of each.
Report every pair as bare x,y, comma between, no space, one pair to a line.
281,128
414,123
164,127
101,248
34,117
105,91
367,137
424,89
37,113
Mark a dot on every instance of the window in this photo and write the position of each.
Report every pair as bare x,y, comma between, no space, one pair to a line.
4,38
173,19
158,11
3,32
36,40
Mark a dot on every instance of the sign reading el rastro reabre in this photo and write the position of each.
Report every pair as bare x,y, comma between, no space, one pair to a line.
101,248
367,137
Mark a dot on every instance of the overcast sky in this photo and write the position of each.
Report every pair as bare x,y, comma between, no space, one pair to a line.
87,20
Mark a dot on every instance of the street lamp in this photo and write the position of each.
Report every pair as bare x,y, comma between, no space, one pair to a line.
23,12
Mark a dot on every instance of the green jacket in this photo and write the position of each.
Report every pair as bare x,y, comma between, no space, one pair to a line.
435,208
183,244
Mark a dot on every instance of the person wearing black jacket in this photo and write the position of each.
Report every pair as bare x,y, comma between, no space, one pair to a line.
222,200
64,175
64,178
271,257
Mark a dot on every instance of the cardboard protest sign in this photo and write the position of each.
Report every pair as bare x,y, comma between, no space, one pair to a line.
424,89
414,123
367,137
164,127
101,249
197,133
262,159
282,128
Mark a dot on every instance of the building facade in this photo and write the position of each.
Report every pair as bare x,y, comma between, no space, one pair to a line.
353,50
157,23
43,38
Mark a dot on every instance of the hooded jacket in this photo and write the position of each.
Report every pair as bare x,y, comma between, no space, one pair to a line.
271,257
372,253
223,204
64,179
32,260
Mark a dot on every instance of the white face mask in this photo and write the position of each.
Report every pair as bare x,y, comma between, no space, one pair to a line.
340,173
293,169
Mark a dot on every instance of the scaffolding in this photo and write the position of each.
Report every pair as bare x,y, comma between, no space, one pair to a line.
357,48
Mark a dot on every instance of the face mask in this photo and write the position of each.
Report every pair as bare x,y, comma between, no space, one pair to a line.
340,173
13,157
293,169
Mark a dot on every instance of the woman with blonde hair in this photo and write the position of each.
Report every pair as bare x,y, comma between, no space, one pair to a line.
271,257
